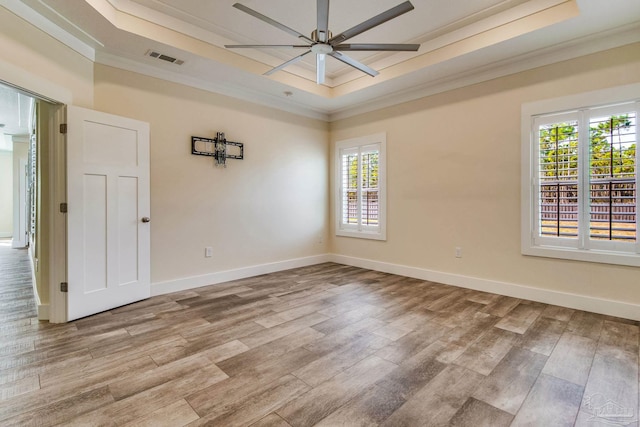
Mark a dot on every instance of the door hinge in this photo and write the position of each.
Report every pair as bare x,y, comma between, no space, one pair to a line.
63,207
63,128
64,287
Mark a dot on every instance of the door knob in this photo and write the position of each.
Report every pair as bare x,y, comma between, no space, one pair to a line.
146,219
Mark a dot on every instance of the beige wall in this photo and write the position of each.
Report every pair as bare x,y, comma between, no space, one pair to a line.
454,180
33,59
453,170
269,207
6,193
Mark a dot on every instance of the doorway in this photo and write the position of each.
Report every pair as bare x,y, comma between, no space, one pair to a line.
28,149
17,120
102,154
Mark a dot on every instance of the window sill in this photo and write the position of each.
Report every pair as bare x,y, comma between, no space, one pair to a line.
592,255
361,234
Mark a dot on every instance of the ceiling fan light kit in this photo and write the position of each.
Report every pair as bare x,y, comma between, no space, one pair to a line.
322,43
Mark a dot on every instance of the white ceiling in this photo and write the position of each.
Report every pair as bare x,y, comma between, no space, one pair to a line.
462,42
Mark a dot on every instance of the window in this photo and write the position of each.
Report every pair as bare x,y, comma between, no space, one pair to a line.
360,177
580,179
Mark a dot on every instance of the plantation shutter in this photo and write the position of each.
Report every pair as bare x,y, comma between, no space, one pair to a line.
558,179
349,188
360,187
586,179
613,180
370,189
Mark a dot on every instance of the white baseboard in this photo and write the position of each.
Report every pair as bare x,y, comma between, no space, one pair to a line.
161,288
5,234
43,309
575,301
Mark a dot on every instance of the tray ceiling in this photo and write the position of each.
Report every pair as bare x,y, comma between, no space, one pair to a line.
457,37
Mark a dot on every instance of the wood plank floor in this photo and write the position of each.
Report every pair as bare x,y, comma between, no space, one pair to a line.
326,345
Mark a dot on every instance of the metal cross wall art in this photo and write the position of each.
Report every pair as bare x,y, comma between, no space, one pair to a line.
218,148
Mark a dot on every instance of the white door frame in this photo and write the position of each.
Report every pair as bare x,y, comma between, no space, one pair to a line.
57,97
57,220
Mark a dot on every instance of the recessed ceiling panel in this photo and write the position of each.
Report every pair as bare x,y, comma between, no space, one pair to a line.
429,19
457,38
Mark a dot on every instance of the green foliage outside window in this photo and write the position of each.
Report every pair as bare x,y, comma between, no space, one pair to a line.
610,155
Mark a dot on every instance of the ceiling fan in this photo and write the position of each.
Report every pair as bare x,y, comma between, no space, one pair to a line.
323,43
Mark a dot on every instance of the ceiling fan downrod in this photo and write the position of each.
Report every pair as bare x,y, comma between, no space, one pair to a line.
323,43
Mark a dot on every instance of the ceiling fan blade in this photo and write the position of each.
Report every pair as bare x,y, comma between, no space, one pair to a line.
320,67
289,62
261,46
323,21
355,64
270,21
394,12
378,46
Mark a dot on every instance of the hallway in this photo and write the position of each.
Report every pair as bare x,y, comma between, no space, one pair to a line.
16,290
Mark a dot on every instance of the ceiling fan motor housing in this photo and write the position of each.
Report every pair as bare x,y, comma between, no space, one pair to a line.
315,36
323,43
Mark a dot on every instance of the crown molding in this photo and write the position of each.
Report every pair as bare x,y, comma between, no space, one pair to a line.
237,92
576,48
569,50
44,24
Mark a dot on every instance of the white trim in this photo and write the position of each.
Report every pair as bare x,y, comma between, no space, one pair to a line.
24,81
329,111
572,49
357,145
568,50
612,95
226,89
57,220
44,24
32,84
5,234
43,309
183,284
558,53
592,255
547,296
591,101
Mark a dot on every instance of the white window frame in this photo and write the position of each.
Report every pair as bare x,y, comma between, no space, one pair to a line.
379,232
580,106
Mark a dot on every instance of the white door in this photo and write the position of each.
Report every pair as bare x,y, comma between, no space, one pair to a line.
108,211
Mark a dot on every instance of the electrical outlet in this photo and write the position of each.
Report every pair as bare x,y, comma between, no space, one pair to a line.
208,252
458,252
